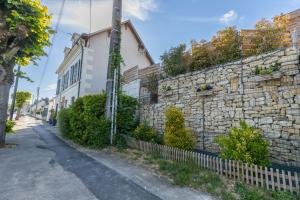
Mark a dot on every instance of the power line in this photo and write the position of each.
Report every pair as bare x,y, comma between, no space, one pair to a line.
53,40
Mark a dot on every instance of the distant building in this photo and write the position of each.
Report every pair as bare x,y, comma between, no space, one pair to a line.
40,108
84,68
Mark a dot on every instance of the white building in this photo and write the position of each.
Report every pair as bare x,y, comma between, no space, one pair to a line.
84,68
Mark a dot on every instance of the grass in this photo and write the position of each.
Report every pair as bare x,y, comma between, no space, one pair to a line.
190,175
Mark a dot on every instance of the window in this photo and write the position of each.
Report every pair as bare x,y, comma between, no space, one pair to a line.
79,70
72,77
75,76
58,87
73,100
66,80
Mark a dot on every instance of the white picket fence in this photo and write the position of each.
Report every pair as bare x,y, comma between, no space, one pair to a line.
272,179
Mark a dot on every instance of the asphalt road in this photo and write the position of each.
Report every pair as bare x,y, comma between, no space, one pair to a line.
43,167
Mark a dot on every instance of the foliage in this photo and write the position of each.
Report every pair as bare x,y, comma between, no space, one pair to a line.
9,126
249,193
203,87
64,123
175,61
145,133
86,123
269,36
176,134
202,55
244,144
21,98
227,44
189,174
166,88
23,75
265,71
152,83
120,142
25,30
126,116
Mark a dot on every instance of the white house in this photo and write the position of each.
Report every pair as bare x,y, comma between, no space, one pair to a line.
84,68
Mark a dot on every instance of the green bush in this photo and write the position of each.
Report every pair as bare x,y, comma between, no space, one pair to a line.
244,144
64,123
120,142
126,116
176,61
9,126
176,134
145,133
87,124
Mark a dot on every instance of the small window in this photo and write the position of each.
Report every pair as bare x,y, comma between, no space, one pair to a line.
73,100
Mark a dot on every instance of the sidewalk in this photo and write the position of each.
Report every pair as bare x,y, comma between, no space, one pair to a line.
30,172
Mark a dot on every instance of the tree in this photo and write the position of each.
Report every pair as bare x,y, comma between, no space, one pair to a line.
176,61
24,32
21,98
269,36
227,44
202,55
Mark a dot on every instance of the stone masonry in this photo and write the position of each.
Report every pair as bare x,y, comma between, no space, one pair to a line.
268,102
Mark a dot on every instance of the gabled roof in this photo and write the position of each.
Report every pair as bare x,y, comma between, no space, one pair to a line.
129,24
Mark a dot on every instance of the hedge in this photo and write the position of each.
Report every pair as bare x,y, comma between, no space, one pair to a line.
85,123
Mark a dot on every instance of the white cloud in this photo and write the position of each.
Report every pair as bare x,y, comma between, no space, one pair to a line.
228,17
76,13
139,9
50,87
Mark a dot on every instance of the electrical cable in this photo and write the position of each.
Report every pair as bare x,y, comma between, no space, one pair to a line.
53,40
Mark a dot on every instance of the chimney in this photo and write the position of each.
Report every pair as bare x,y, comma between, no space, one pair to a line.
75,37
66,51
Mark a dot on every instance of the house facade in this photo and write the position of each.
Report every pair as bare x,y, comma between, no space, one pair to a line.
84,68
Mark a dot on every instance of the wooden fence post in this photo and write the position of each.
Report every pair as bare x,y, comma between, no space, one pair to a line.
283,180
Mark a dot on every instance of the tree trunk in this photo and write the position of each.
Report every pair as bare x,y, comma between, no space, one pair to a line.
6,80
4,95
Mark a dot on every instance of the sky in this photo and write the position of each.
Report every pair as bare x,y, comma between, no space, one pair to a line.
161,24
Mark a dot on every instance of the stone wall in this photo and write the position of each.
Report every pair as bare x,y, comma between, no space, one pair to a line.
269,102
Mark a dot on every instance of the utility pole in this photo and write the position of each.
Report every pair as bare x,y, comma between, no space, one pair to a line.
37,100
112,69
13,103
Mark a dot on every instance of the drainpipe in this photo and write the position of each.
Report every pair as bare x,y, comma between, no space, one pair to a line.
81,63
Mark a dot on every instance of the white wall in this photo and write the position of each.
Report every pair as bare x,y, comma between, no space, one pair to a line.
129,51
95,61
132,88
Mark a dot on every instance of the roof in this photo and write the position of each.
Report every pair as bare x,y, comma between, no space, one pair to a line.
133,30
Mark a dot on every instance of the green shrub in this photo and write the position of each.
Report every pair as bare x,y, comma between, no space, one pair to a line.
244,144
266,71
145,133
120,142
9,126
85,122
176,134
176,61
126,117
64,123
88,123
